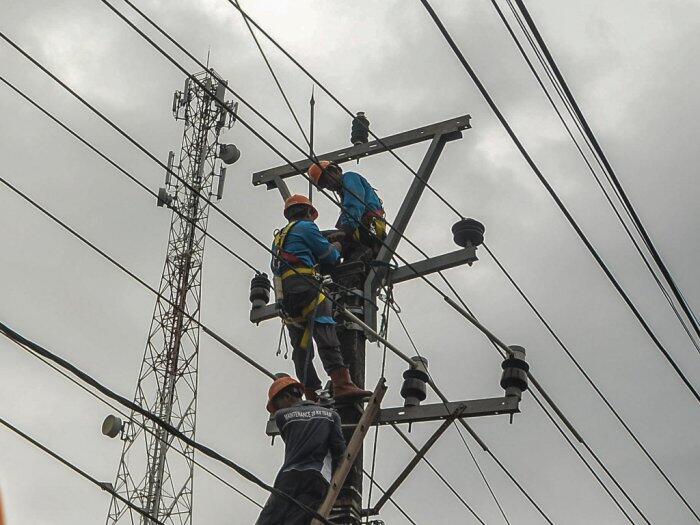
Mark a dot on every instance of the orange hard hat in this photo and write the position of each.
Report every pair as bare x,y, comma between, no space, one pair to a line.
276,388
316,170
300,199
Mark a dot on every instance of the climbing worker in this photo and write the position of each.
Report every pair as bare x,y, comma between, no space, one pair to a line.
362,226
297,250
313,447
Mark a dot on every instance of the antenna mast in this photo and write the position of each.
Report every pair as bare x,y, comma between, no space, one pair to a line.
159,482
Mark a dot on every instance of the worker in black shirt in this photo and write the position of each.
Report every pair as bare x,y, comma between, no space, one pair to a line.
314,446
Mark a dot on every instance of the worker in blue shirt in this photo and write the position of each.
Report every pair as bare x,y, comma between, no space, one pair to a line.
298,249
362,226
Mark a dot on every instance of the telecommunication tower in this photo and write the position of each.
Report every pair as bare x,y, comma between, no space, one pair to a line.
151,474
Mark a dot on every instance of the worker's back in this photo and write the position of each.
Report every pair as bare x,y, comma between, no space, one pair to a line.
313,438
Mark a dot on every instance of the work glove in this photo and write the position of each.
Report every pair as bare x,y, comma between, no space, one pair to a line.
336,236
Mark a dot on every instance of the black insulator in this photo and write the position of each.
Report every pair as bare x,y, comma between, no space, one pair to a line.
260,290
515,369
360,129
414,388
468,231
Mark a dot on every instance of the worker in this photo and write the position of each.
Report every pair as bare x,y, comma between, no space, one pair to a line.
361,225
313,447
297,250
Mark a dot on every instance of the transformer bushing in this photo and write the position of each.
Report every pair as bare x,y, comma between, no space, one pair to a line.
515,368
415,382
468,232
260,290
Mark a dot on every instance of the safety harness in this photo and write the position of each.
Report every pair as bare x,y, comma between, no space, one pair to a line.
295,266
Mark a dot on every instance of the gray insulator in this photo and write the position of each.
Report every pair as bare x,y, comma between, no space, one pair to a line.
260,290
515,369
415,385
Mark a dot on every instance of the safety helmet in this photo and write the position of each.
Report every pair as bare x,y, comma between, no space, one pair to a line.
316,170
299,199
277,387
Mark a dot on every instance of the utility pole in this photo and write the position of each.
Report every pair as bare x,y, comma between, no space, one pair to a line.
160,482
358,286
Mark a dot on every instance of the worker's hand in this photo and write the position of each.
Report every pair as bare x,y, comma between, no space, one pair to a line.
336,236
338,246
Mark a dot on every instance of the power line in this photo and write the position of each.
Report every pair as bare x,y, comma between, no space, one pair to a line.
599,150
104,486
133,421
250,235
238,7
464,441
34,347
591,382
120,168
391,499
274,76
582,154
131,274
337,101
556,198
571,429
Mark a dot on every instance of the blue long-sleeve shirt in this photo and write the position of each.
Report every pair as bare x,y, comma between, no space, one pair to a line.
309,245
358,198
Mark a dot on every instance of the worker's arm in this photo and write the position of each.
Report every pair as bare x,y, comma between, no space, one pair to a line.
324,251
353,202
337,442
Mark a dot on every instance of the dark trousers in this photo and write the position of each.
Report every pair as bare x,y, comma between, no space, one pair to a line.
306,486
298,293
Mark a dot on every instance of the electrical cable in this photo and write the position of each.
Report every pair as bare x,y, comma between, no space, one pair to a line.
180,46
310,155
337,101
86,378
573,431
238,352
391,499
233,221
397,313
556,198
618,186
583,155
591,382
132,421
104,486
427,461
274,76
122,170
131,274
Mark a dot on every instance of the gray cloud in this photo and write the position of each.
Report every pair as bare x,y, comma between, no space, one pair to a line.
632,66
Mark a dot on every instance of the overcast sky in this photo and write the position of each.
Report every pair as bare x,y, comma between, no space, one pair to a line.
633,67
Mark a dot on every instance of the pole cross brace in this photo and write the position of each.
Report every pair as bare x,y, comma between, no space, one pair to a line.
352,450
416,459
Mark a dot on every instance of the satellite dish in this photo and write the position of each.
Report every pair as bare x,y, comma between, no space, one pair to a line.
112,426
229,153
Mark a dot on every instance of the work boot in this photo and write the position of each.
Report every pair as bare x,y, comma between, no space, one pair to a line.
310,394
344,388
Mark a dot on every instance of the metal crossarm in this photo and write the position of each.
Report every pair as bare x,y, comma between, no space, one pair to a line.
271,177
